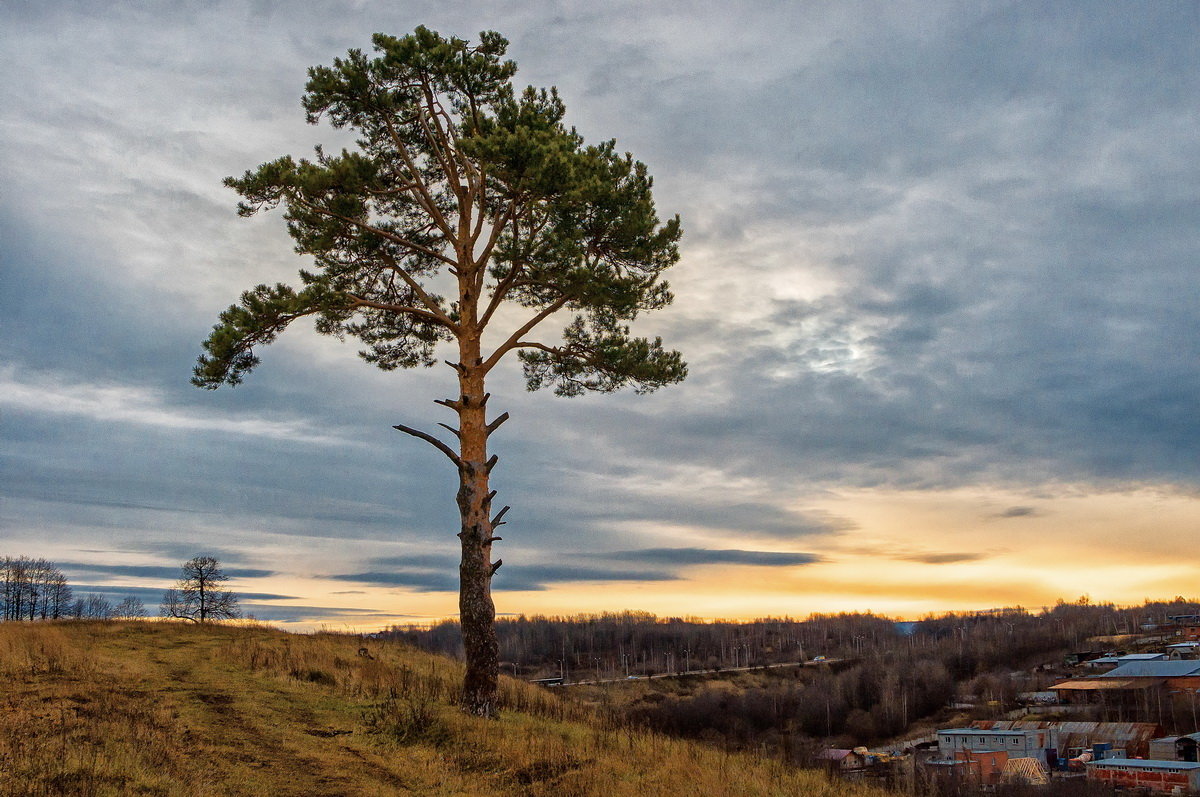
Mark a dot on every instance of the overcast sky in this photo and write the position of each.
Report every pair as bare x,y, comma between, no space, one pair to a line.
938,295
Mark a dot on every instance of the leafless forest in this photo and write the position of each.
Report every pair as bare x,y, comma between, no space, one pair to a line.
35,589
868,681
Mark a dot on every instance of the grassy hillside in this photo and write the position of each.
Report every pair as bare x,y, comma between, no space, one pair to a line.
98,708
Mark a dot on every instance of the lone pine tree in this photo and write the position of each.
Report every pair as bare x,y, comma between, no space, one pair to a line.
460,185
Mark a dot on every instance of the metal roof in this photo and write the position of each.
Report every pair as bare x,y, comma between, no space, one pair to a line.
1104,660
1195,737
1124,732
1097,683
1143,763
1154,669
1128,657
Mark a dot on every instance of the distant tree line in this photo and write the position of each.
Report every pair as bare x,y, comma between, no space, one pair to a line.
618,644
969,644
881,678
33,589
36,589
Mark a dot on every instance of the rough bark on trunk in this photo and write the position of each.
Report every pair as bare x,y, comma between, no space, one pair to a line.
477,612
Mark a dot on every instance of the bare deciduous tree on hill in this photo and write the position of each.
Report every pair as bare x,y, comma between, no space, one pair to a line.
199,595
97,607
130,608
461,185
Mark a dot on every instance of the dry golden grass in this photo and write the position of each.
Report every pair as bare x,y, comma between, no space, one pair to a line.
92,708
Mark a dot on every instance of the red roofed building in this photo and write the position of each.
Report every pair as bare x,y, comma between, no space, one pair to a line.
843,760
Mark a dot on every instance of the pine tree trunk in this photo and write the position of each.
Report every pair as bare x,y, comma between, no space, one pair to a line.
477,613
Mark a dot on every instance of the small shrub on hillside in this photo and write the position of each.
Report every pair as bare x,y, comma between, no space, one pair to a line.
314,676
407,719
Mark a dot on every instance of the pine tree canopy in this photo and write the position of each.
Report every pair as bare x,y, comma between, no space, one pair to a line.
461,195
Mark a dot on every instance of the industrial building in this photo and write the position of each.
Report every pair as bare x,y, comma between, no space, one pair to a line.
1176,748
1022,743
1157,668
1168,777
990,768
1132,682
1070,738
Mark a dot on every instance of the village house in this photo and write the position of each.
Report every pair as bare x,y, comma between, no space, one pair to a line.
1187,625
843,760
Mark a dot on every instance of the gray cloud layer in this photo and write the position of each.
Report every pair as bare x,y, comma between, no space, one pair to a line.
437,572
925,246
149,571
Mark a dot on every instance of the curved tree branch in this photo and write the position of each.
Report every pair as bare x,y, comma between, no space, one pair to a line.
433,441
358,301
422,194
391,236
511,343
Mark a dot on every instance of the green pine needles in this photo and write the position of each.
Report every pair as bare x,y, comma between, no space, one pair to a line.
456,173
462,197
